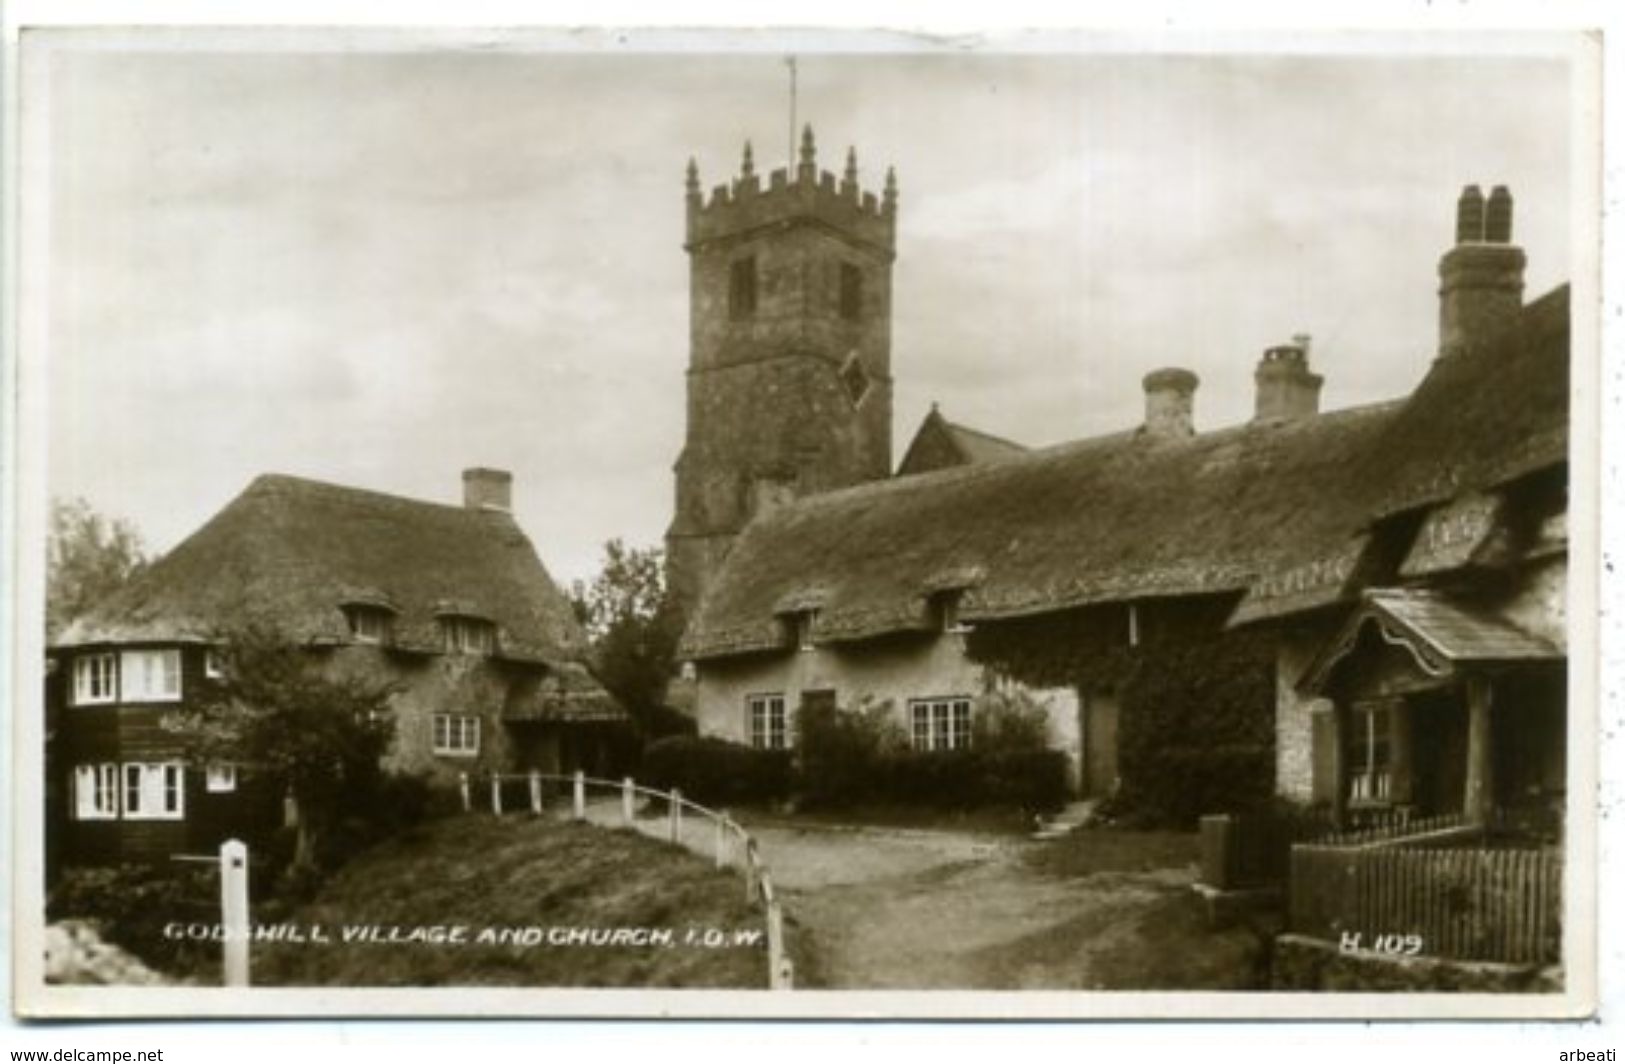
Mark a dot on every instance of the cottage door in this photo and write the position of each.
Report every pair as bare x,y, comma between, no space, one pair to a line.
1099,744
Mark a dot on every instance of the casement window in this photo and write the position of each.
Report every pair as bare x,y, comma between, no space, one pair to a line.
851,292
1370,750
95,792
468,635
220,778
456,734
767,722
150,675
939,723
214,664
95,679
742,288
369,624
154,791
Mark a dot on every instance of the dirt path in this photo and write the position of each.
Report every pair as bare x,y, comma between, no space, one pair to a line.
893,908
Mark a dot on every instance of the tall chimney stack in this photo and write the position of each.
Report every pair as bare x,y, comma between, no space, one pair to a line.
488,489
1481,278
1286,389
1168,403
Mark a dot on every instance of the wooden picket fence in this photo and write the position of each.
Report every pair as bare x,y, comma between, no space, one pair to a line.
685,823
1253,849
1465,904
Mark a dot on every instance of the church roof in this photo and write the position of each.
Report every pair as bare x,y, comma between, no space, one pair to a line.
940,444
292,553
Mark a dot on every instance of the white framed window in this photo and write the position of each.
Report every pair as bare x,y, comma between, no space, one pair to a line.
767,722
369,624
95,792
220,778
150,675
1370,751
95,679
939,723
456,734
154,791
214,663
468,635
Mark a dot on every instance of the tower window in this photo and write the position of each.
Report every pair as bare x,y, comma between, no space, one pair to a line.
742,288
855,378
851,292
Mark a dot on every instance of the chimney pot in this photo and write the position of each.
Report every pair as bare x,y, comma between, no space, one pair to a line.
1498,216
1481,278
1168,403
488,489
1470,216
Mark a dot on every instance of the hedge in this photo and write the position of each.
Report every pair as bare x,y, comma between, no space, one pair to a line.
715,771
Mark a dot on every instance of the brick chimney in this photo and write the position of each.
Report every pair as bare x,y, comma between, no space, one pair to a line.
1286,389
1481,278
488,489
1168,406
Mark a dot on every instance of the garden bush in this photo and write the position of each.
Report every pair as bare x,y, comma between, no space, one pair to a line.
862,755
130,905
717,772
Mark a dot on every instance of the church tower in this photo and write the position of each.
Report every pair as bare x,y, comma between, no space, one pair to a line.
789,375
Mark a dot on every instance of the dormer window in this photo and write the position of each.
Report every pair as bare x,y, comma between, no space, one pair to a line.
468,635
369,624
947,605
801,629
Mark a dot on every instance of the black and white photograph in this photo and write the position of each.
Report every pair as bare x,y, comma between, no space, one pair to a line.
805,523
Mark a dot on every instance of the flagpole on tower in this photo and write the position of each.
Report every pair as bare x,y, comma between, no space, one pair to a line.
790,61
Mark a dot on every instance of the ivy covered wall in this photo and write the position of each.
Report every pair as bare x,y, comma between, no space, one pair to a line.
1197,726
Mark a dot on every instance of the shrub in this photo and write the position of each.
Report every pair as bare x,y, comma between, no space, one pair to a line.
717,772
843,754
129,905
1176,785
1009,721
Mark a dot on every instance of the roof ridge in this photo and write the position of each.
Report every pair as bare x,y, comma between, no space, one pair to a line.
275,483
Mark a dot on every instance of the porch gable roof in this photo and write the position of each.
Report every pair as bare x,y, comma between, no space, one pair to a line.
1439,631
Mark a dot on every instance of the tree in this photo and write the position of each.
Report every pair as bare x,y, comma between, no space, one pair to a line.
88,557
633,629
319,738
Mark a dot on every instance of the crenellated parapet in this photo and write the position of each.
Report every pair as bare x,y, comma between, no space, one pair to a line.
745,204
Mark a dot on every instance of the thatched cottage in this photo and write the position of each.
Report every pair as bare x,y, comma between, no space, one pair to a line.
1377,591
449,603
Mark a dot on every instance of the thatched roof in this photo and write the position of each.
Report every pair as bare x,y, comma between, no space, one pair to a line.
1475,423
1129,516
941,444
1282,510
293,553
1481,419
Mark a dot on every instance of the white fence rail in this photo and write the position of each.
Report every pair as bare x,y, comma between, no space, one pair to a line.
706,831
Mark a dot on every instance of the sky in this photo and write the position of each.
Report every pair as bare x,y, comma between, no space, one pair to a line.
380,267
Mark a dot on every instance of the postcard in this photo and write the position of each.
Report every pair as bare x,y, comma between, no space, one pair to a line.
805,524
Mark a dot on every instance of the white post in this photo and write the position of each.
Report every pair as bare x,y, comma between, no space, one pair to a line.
628,799
234,911
722,841
496,794
750,871
676,806
779,972
535,792
462,785
581,795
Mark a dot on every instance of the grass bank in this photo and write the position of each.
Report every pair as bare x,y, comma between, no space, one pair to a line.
476,901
